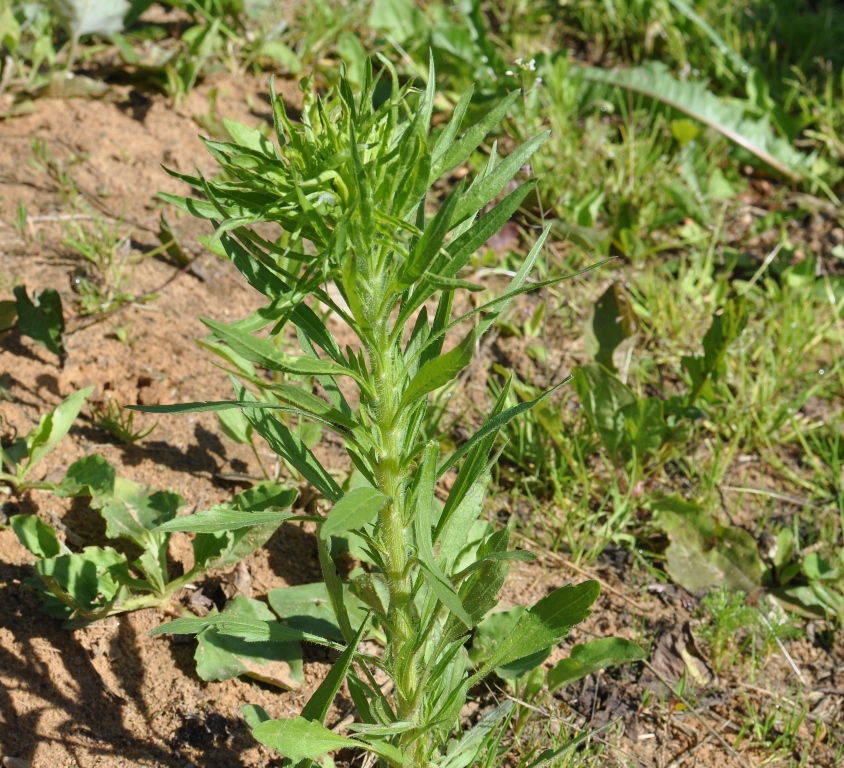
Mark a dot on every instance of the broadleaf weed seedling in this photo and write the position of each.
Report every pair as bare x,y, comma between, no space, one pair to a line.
348,187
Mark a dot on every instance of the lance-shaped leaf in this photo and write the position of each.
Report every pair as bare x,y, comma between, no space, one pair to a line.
544,625
593,657
445,141
265,353
495,307
291,447
422,526
429,245
493,425
54,426
461,249
447,158
481,192
224,518
323,697
439,371
249,628
313,405
475,466
358,507
654,81
466,751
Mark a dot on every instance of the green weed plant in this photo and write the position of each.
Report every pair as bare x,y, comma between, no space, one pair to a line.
349,189
96,582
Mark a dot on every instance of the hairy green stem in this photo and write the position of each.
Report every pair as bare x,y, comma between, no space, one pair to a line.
392,477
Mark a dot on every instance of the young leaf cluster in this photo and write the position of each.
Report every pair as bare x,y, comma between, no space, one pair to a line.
100,581
25,452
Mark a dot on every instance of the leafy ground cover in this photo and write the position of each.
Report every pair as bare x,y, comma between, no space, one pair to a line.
693,465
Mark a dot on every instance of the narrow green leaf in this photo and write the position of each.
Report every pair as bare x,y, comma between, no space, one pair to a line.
291,447
304,318
301,739
590,658
357,507
445,141
439,371
449,158
265,353
54,426
493,425
484,190
452,283
422,526
462,248
224,518
312,404
334,587
251,630
465,753
445,592
393,729
429,245
320,702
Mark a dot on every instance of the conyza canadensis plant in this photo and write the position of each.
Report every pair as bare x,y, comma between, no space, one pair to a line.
347,189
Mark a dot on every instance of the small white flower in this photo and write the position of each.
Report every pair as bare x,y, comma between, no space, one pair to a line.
537,80
519,61
532,65
509,72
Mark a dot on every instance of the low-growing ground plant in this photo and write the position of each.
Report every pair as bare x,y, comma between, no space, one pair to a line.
100,581
349,190
20,454
111,417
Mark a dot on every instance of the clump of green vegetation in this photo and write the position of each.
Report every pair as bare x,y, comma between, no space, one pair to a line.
348,189
728,628
100,581
119,422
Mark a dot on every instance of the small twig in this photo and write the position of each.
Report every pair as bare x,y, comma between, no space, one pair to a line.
583,572
100,318
779,642
796,500
739,759
60,217
759,272
683,756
